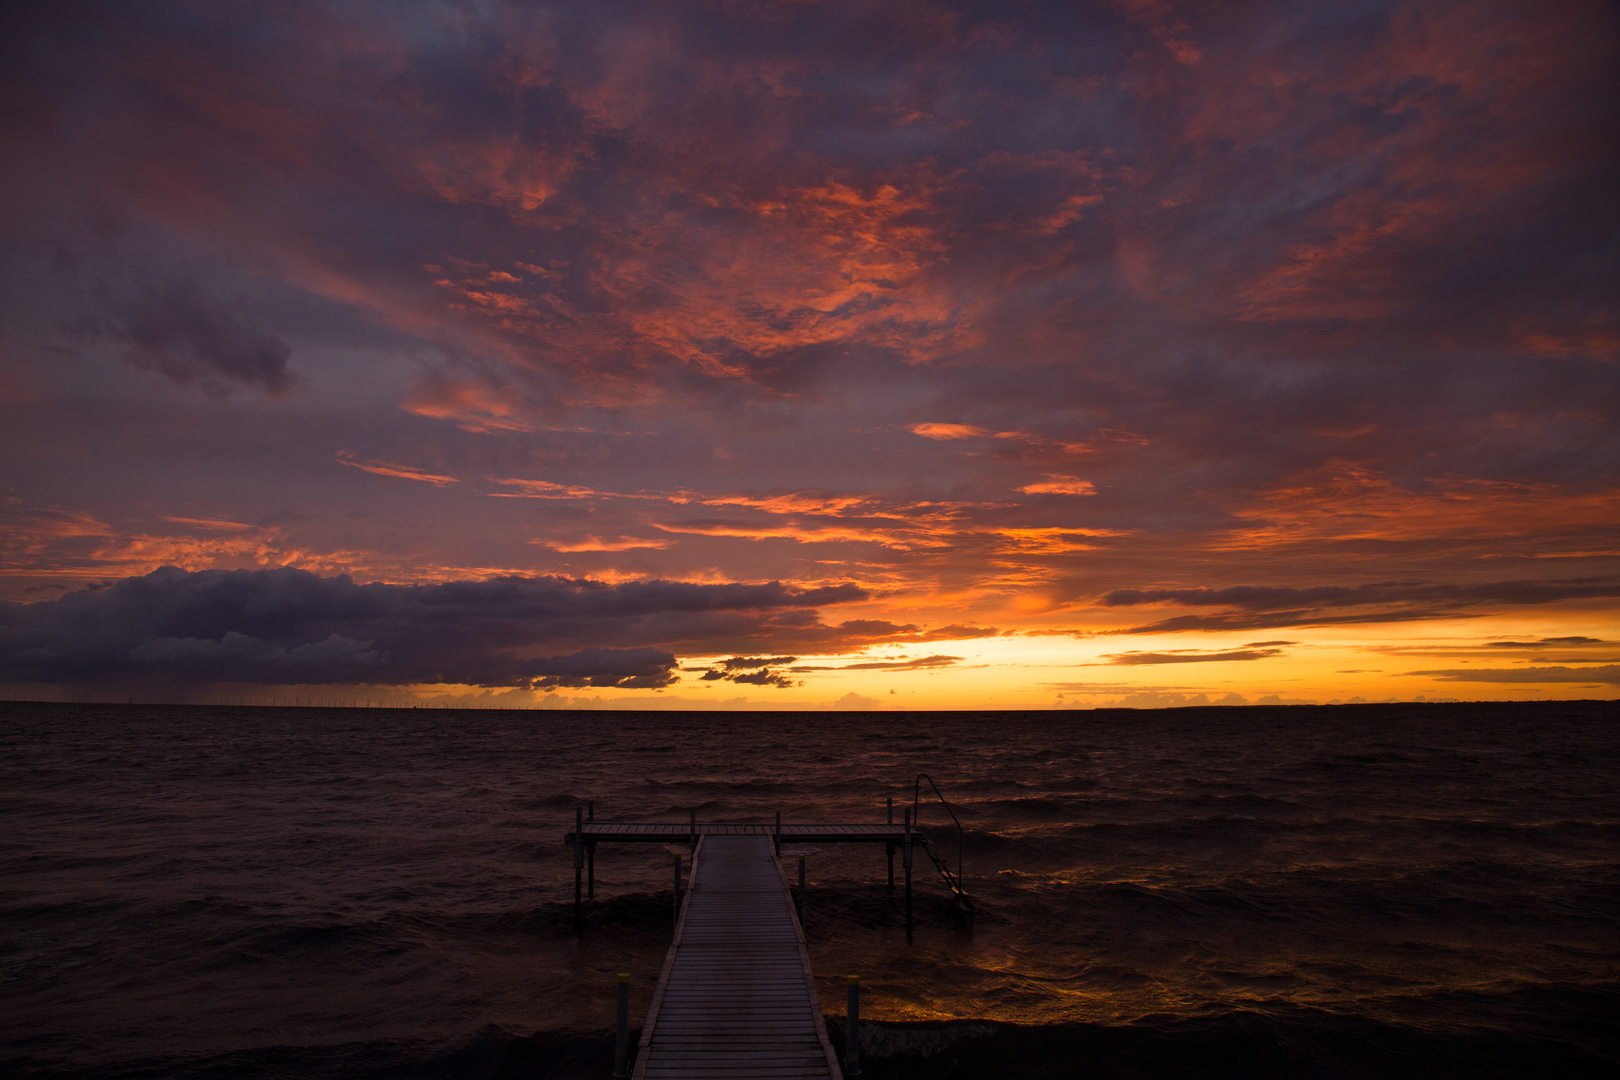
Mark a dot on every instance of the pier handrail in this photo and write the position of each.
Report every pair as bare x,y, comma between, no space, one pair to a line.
916,792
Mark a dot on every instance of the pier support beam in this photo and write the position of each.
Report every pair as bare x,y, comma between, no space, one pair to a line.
590,856
852,1030
905,858
621,1042
579,866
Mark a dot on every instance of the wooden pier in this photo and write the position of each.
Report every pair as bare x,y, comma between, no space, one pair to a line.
736,997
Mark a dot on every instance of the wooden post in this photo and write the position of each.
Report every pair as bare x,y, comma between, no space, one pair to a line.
693,832
677,888
889,845
905,859
621,1044
852,1030
801,891
590,856
776,841
579,864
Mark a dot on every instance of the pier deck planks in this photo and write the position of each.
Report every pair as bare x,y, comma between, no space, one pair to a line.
736,998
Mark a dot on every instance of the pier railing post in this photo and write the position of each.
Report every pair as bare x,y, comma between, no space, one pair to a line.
621,1042
692,832
677,888
776,838
852,1030
905,859
801,891
579,864
590,856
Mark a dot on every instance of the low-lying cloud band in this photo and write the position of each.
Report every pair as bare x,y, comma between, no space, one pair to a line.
288,626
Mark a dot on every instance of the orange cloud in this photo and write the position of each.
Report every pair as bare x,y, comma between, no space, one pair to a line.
473,405
1052,540
403,472
950,431
799,534
791,504
804,267
1060,485
210,523
545,489
594,543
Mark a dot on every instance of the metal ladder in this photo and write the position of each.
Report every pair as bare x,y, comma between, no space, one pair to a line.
953,881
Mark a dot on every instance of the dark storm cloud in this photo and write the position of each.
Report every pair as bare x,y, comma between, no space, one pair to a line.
750,671
748,663
1263,607
764,678
290,626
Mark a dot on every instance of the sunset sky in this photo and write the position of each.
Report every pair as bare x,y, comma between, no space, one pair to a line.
793,354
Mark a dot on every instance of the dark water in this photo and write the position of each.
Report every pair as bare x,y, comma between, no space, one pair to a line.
1415,890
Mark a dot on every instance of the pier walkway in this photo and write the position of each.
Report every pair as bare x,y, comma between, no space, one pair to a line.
736,997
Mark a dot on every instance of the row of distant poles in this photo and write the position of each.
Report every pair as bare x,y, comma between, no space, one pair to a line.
585,862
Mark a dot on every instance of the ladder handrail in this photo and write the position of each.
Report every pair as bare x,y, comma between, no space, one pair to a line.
944,869
916,791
